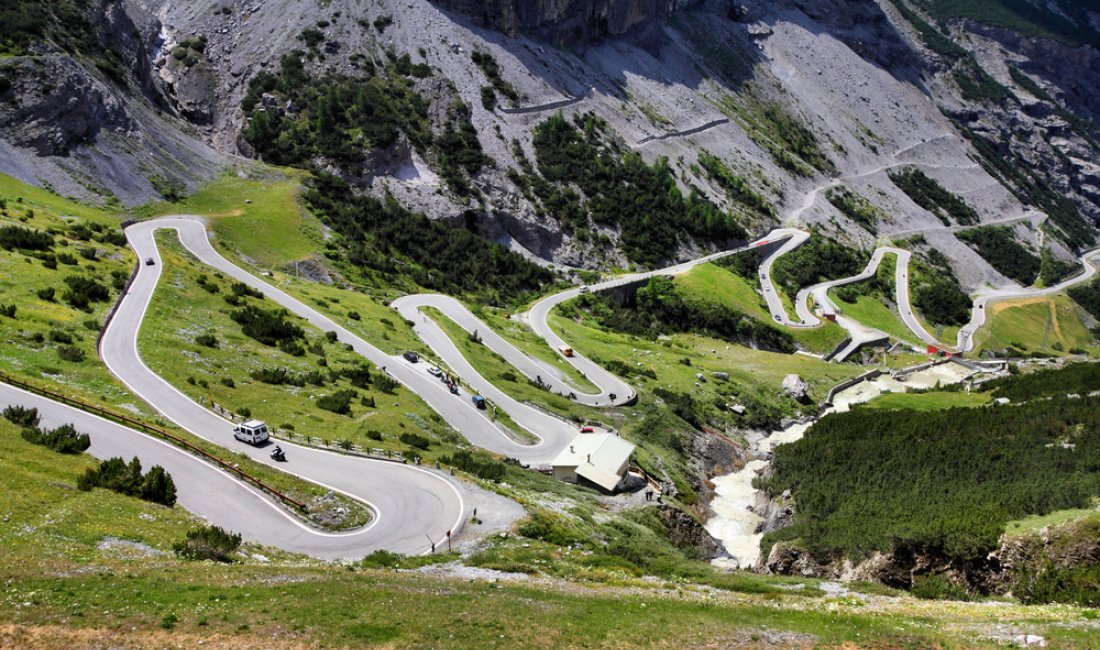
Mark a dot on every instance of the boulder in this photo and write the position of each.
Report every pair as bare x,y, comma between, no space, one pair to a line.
798,389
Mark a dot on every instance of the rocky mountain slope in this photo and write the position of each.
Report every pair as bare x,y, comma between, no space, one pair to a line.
788,96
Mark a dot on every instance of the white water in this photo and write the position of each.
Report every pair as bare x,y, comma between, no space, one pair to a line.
734,524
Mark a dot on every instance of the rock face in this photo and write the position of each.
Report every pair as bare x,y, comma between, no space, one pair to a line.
798,389
564,21
686,532
52,103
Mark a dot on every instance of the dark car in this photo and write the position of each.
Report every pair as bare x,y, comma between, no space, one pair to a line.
149,261
411,357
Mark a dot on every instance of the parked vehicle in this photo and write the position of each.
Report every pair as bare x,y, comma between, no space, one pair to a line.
479,401
587,430
251,431
411,357
434,371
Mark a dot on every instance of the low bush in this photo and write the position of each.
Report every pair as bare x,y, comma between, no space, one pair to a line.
242,290
127,478
338,402
267,327
479,465
22,416
83,290
208,543
71,353
936,586
414,440
64,439
386,384
61,336
207,340
20,238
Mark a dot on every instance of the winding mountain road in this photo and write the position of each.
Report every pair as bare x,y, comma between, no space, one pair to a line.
408,502
411,504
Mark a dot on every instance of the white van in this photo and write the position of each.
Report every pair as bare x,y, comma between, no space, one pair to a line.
252,431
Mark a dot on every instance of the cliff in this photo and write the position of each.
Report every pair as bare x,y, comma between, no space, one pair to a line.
564,21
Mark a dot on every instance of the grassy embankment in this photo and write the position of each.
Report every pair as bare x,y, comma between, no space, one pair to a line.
1036,325
929,401
69,582
713,283
870,308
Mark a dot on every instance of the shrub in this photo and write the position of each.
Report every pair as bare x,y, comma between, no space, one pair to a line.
936,586
18,237
383,559
206,284
126,478
64,439
228,382
242,290
550,527
208,543
338,402
479,465
382,22
292,347
207,340
374,434
21,415
386,384
70,353
244,412
267,327
354,315
46,294
83,290
8,310
359,375
414,440
488,98
60,336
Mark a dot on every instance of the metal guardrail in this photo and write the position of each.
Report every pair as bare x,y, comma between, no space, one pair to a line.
176,440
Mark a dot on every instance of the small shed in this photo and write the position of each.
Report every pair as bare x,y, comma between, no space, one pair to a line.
598,459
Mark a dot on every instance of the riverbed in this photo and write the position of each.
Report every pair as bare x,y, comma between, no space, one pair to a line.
734,524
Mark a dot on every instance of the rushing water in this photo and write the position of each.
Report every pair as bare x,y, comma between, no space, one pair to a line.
734,524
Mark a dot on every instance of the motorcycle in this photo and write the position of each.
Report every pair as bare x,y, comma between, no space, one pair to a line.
278,455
